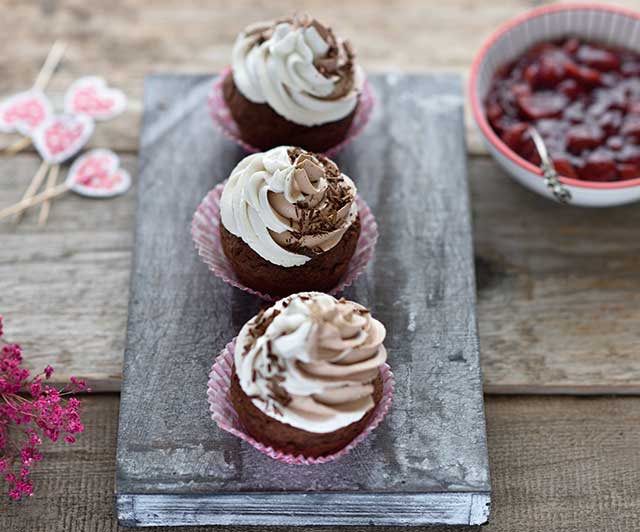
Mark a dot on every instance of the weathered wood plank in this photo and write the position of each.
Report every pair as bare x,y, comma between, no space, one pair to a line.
558,463
126,40
173,467
64,288
559,291
557,299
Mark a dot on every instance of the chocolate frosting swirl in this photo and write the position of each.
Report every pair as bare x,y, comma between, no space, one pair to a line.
299,68
310,361
289,205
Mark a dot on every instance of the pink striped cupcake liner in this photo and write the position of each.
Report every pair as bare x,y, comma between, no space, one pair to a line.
225,416
205,231
221,116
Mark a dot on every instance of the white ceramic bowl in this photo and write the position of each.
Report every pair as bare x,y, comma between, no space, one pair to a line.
608,24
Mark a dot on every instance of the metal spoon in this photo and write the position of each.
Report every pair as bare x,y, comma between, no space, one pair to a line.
559,191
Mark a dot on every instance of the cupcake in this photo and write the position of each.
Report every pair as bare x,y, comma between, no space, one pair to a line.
290,222
292,82
306,376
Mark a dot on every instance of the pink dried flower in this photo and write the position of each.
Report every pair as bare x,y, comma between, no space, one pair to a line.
29,412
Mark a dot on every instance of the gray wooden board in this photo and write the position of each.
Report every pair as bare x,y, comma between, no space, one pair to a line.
427,462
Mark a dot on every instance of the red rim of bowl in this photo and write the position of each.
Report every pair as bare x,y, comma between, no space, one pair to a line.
477,107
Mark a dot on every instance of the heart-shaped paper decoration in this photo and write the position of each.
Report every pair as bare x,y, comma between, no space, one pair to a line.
62,136
97,174
92,96
24,112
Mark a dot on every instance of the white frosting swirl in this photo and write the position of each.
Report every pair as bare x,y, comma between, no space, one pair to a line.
287,200
310,361
299,69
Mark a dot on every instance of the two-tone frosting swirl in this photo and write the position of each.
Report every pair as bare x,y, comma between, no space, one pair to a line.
299,68
310,361
288,205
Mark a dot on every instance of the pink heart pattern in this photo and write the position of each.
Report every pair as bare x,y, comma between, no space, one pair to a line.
97,175
91,96
24,112
62,136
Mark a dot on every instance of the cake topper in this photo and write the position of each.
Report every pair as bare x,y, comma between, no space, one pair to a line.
97,174
24,112
58,138
62,136
91,96
27,109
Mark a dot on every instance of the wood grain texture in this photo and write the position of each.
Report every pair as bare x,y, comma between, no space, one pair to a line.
558,288
575,306
64,287
127,39
558,463
173,467
558,291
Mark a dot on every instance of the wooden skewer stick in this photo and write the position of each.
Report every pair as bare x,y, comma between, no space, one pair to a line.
42,80
17,146
34,200
50,64
45,209
34,185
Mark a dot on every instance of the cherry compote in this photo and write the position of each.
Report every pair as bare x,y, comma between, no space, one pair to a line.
584,99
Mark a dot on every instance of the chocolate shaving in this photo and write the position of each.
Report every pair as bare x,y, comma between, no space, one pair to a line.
262,323
324,217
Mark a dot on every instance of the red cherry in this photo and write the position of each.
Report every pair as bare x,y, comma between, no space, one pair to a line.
629,154
564,167
494,113
583,136
599,166
550,70
515,135
610,121
542,105
571,46
570,88
631,126
628,171
585,75
528,151
598,58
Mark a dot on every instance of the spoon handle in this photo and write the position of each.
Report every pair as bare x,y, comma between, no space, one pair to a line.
559,191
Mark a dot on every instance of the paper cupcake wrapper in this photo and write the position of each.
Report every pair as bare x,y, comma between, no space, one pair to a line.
221,116
205,230
225,416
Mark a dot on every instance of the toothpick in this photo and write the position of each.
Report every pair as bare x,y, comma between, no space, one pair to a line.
50,64
17,146
46,206
34,200
42,80
33,187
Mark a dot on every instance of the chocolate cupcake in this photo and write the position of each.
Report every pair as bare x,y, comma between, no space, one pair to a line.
293,82
307,373
290,221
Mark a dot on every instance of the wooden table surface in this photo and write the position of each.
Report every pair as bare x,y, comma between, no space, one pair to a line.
558,287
